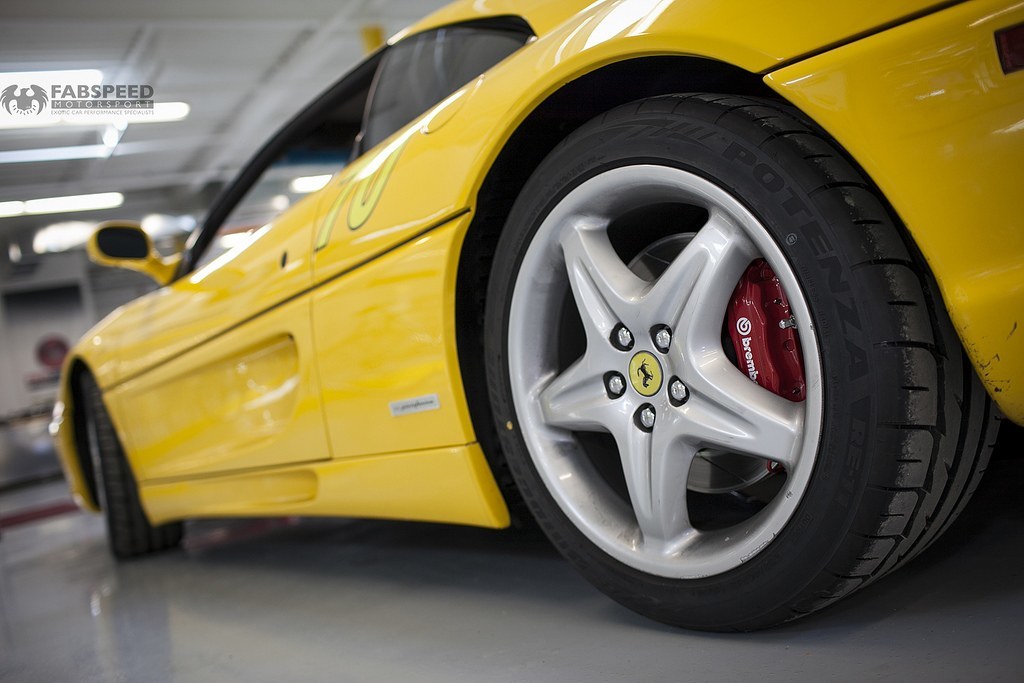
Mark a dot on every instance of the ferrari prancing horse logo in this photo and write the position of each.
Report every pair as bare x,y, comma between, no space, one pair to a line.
645,373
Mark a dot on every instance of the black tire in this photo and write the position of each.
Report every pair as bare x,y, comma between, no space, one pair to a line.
907,428
128,530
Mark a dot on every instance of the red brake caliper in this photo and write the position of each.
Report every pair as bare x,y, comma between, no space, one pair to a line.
764,336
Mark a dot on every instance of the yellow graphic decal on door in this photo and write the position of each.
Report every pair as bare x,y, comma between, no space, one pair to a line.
361,193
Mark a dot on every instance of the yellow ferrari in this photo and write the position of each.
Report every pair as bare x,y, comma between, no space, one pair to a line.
724,295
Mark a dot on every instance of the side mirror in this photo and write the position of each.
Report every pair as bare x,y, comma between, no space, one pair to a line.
124,244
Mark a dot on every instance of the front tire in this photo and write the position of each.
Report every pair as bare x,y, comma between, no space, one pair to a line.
738,507
129,532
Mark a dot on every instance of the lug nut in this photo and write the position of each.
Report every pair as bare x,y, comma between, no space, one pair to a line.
645,417
622,338
678,392
662,337
615,384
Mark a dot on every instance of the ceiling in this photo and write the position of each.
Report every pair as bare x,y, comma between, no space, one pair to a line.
243,66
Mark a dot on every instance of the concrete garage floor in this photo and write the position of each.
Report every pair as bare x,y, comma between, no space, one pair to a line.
26,451
339,600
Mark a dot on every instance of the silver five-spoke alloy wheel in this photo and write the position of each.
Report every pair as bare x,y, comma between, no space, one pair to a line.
689,402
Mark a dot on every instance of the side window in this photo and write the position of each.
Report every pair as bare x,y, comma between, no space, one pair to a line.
320,148
280,186
422,70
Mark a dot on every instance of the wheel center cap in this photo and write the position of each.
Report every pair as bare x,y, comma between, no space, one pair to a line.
645,373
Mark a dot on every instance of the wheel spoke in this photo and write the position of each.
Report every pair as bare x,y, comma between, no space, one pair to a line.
696,286
656,466
577,399
604,289
727,411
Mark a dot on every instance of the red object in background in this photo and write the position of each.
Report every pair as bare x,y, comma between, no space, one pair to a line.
51,352
38,513
760,325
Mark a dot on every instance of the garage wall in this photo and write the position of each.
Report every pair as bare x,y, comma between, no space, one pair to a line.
53,296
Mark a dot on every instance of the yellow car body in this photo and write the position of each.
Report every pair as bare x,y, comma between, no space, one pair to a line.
276,380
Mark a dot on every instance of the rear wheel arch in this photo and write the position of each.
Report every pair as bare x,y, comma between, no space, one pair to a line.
548,123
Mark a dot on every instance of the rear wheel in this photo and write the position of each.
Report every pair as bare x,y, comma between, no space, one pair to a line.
128,530
724,383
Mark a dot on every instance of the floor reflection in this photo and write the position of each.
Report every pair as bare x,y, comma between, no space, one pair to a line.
331,599
26,452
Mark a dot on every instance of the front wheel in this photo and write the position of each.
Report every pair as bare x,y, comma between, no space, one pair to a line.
724,382
129,532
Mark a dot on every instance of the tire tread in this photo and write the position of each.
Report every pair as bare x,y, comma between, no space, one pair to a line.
129,532
928,509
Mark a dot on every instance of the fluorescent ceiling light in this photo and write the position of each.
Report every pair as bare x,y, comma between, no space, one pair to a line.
162,112
62,236
309,183
78,202
23,156
46,79
11,209
111,137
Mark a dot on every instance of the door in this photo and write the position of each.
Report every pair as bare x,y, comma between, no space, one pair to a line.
386,250
238,389
217,372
